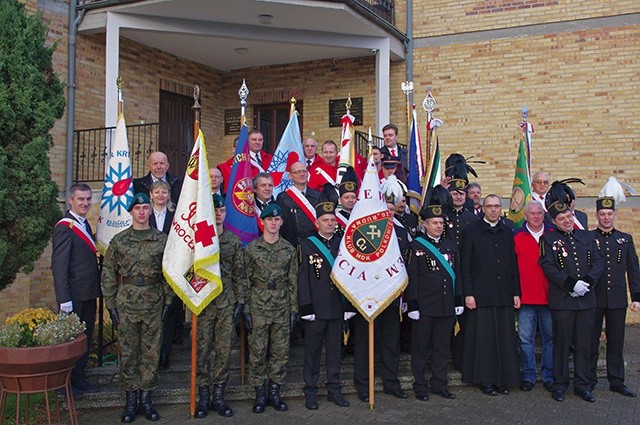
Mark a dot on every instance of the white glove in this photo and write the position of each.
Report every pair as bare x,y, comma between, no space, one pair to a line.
574,295
414,315
309,317
581,288
459,310
67,307
348,315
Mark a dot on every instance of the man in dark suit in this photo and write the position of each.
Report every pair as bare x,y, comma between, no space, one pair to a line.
259,159
75,273
298,204
158,165
571,261
621,267
491,286
391,147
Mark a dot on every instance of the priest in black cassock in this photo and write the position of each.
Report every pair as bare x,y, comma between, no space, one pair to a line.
491,287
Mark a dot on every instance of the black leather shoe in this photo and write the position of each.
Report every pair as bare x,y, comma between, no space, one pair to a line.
422,396
526,386
397,393
311,401
558,395
623,390
445,394
587,395
548,386
503,390
363,397
338,399
488,389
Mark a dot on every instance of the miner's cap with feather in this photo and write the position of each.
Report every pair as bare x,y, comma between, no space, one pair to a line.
560,191
437,200
457,167
349,182
326,201
612,194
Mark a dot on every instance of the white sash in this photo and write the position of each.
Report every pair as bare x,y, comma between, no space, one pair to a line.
79,230
341,219
301,201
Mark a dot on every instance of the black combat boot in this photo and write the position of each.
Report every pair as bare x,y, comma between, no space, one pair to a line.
146,407
274,397
218,401
261,399
202,408
130,408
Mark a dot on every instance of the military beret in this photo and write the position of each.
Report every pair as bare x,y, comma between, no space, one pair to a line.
271,210
218,201
139,199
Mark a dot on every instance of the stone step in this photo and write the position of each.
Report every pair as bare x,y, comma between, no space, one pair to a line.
174,384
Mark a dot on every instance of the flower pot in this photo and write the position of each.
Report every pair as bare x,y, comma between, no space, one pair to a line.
35,369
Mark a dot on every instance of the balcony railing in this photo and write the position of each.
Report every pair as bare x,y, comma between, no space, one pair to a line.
91,151
383,8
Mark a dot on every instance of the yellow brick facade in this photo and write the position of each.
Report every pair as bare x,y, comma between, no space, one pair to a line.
580,87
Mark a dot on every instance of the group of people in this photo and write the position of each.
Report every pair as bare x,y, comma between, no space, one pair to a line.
467,269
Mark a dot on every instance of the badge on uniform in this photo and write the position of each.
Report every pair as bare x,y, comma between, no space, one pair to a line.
316,261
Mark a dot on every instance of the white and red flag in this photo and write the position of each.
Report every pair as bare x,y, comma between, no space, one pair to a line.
191,262
369,269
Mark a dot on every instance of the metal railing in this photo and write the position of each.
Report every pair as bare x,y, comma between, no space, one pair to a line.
362,141
385,9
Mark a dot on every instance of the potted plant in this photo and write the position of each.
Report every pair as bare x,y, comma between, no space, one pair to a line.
38,348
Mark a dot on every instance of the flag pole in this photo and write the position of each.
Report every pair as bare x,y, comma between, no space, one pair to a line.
243,92
194,318
407,88
429,104
371,364
119,84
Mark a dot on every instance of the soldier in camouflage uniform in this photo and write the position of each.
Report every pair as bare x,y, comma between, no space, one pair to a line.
271,308
217,320
137,298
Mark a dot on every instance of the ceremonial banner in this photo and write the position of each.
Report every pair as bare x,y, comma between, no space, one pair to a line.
191,261
240,201
521,192
369,269
416,167
117,192
434,175
347,147
289,150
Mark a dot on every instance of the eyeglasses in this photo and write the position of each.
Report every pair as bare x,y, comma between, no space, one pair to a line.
299,172
494,207
541,181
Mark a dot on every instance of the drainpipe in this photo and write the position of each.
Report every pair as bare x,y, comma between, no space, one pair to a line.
74,21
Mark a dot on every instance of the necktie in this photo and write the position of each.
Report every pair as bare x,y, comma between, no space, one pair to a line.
88,227
393,152
308,163
258,160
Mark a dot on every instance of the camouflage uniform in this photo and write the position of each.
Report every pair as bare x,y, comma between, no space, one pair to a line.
132,282
215,323
272,271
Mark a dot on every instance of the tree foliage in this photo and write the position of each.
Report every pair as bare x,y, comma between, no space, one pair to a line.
31,100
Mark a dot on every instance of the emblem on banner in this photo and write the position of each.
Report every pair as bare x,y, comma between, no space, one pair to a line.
367,239
192,165
243,197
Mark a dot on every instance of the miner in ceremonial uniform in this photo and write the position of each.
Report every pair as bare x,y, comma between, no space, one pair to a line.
387,324
561,191
572,262
321,306
297,205
218,320
434,296
137,298
621,271
348,191
491,287
271,308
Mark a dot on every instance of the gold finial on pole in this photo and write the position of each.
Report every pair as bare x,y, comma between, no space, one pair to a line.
348,103
119,85
407,88
243,93
292,102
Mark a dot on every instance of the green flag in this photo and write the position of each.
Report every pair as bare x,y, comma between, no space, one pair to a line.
521,192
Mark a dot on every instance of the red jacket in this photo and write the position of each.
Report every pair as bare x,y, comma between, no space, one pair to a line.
533,282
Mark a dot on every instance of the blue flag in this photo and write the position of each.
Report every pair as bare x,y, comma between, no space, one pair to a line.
240,201
289,150
416,167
